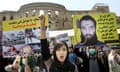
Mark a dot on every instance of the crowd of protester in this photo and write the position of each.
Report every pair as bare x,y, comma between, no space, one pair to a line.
91,58
88,59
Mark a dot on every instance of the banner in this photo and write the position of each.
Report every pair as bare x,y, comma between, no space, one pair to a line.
21,33
104,24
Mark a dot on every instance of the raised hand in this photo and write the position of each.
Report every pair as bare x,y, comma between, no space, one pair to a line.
42,22
43,30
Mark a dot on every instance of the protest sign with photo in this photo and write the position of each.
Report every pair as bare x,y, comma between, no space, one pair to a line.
20,33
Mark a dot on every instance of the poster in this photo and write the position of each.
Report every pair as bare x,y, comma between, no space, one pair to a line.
21,35
104,24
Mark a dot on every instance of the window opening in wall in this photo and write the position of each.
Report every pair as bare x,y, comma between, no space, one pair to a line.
63,23
57,13
41,12
33,12
4,18
49,22
49,13
26,13
11,18
57,21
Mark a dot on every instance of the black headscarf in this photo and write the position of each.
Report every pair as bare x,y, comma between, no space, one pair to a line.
57,66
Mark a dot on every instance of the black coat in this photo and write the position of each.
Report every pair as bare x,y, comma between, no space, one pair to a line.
56,66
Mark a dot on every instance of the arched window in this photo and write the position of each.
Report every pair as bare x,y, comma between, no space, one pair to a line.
11,18
26,13
4,18
56,13
49,13
33,12
41,12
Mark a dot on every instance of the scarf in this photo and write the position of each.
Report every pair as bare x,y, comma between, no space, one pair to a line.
58,67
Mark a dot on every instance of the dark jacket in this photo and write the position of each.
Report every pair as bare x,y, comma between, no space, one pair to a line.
84,66
89,63
3,63
55,65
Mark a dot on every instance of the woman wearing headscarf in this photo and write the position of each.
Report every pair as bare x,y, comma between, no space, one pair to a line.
60,62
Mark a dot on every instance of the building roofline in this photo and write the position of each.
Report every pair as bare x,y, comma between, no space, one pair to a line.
40,3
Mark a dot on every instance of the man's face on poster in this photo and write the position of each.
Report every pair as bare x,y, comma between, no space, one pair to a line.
88,28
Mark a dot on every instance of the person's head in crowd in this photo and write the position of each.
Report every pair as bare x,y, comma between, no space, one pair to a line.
106,49
99,48
92,50
60,52
71,49
61,61
113,51
87,25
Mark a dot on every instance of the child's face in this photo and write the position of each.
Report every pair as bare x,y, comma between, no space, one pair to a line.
61,53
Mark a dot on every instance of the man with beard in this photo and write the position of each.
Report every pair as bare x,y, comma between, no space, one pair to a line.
87,26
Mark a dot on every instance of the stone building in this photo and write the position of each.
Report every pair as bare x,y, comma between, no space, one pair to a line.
59,17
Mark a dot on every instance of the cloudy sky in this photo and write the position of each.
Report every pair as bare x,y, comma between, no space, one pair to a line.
14,5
